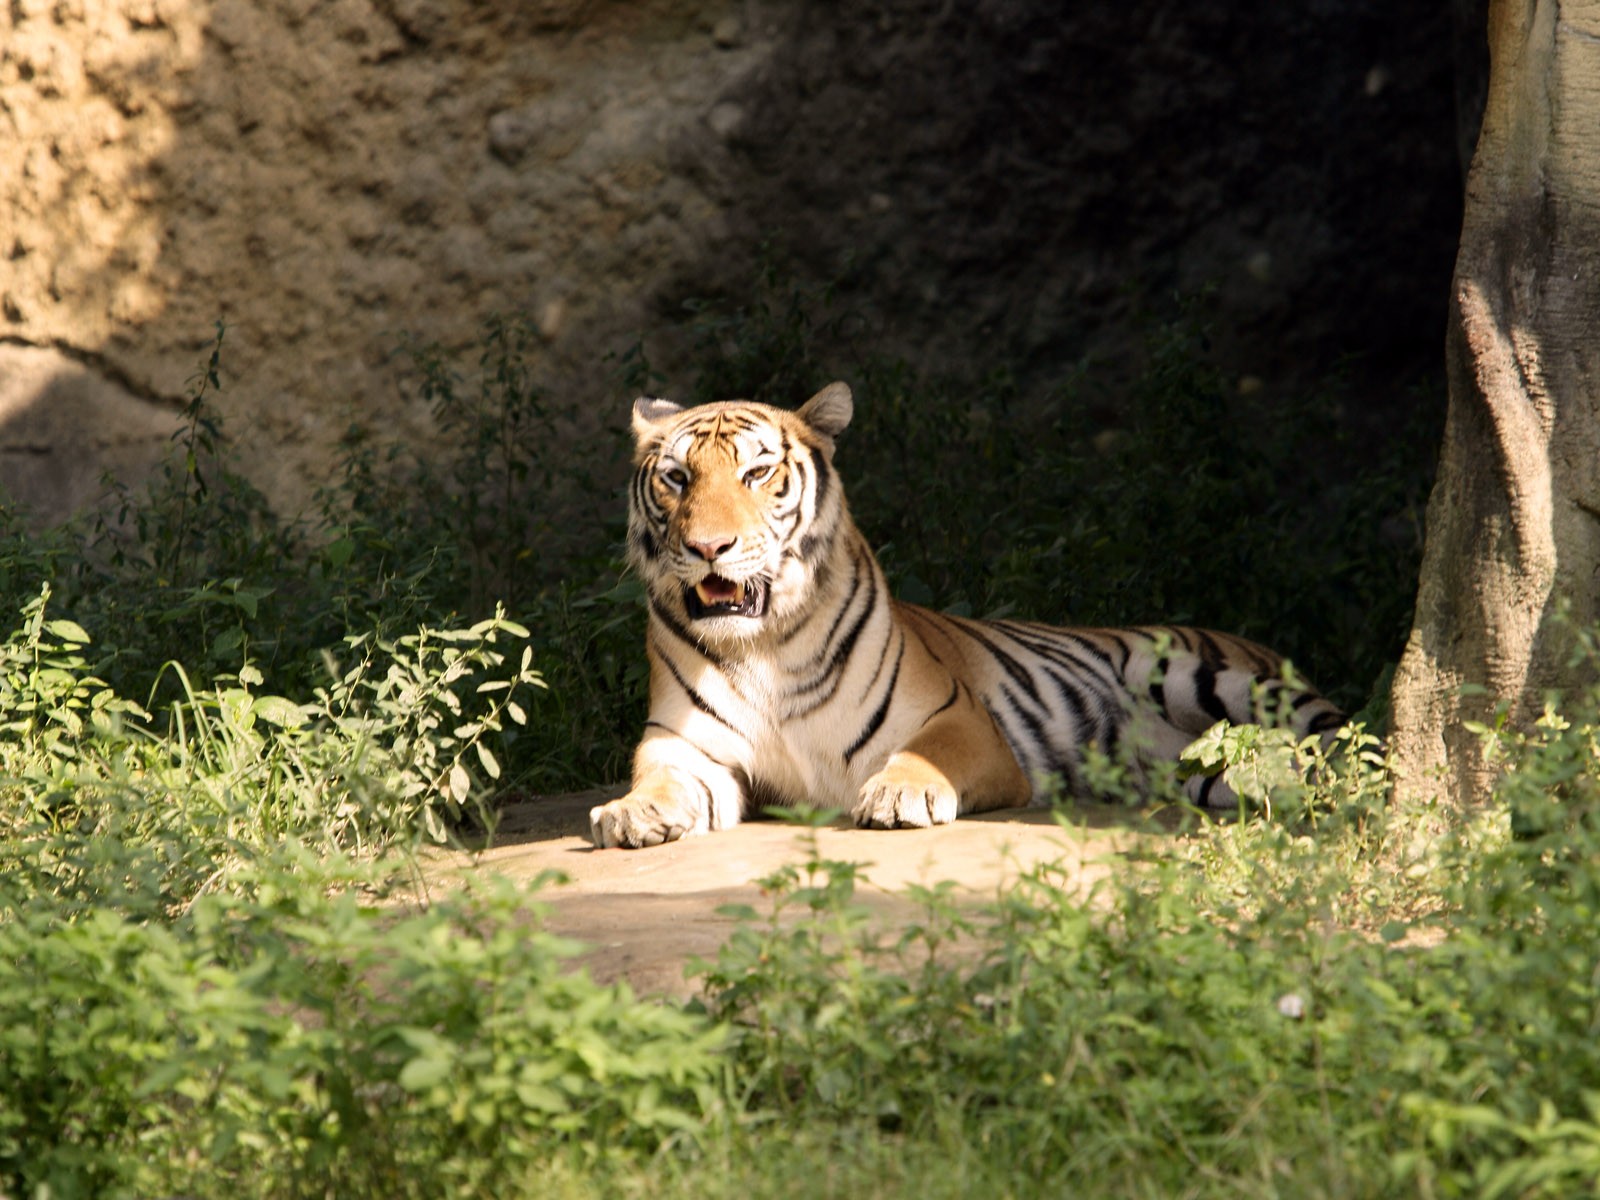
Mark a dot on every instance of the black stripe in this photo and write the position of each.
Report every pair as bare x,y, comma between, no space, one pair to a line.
1323,722
858,572
1056,760
824,475
812,611
838,654
736,771
1178,635
1058,644
1111,692
1036,740
1205,693
1012,667
1210,652
1095,651
1127,657
809,542
821,529
955,691
1158,689
875,722
826,685
676,628
1067,690
1244,655
696,698
877,671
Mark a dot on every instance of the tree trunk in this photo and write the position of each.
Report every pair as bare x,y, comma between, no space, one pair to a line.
1514,520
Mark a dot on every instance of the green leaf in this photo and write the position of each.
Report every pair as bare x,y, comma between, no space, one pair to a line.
68,631
487,759
420,1074
339,551
279,711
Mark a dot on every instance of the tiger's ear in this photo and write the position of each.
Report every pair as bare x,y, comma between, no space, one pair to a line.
649,413
829,411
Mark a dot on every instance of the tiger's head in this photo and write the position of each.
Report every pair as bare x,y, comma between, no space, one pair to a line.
731,508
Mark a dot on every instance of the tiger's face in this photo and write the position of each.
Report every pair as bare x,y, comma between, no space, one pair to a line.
732,506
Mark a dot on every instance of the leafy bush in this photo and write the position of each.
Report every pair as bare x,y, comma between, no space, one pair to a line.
198,561
302,1044
1263,1013
105,805
205,994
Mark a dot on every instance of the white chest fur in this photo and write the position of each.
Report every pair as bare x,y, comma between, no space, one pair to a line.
788,715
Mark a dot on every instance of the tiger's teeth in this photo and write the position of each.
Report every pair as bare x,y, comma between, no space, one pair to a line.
715,592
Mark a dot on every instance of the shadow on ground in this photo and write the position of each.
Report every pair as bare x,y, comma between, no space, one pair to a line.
644,915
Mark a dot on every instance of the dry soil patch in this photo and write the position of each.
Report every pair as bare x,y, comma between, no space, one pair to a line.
645,914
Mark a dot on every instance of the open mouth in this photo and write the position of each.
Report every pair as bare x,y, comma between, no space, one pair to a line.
715,596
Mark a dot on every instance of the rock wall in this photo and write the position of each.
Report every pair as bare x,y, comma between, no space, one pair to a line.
324,177
1007,179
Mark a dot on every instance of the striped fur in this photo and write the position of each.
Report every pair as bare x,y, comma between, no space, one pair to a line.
782,672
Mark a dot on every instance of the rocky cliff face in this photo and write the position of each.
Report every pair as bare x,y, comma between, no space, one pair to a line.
1005,178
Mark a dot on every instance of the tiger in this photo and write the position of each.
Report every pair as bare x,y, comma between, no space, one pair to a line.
782,672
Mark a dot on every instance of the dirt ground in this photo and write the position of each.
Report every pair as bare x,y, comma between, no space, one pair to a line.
644,914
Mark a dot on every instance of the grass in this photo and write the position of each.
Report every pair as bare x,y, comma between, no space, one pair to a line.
215,984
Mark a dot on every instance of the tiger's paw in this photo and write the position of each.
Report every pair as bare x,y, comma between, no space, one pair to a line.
906,795
645,817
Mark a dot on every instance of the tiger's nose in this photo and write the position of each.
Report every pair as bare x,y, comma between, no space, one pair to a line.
711,547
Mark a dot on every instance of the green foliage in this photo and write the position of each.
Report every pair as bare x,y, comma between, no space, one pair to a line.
302,1044
216,722
506,514
1345,1008
103,804
197,566
1267,767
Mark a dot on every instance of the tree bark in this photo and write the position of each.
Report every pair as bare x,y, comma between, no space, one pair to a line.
1513,524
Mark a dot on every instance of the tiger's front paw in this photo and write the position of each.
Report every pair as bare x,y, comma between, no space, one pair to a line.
646,817
906,795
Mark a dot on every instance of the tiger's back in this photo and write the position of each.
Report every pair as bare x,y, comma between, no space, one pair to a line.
1153,689
783,672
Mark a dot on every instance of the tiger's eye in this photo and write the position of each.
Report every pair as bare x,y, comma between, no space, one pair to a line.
757,475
